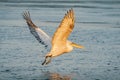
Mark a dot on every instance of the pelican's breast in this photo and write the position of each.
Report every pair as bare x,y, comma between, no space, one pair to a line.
56,51
61,49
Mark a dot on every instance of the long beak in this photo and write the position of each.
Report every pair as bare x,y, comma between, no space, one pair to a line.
47,60
77,45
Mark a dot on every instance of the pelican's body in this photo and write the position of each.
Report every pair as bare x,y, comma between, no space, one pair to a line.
61,49
58,43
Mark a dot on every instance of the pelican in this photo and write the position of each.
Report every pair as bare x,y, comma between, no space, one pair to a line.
58,44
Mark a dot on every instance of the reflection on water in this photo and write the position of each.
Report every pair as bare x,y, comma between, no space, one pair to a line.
56,76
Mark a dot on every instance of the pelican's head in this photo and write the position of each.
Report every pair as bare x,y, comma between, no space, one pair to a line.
47,60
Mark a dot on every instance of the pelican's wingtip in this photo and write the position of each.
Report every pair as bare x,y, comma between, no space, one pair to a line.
26,15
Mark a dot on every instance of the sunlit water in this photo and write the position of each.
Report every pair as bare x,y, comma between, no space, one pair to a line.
97,27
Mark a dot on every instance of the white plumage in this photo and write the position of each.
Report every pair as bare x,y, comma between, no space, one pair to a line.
39,34
58,43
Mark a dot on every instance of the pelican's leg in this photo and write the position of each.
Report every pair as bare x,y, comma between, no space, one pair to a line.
47,60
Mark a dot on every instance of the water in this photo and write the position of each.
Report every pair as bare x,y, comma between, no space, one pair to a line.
97,27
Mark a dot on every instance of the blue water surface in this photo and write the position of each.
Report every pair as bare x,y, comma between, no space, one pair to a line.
97,27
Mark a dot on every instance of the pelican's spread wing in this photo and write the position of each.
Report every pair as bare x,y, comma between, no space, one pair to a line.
40,35
65,28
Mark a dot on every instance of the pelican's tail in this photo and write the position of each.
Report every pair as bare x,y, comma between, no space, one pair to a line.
77,45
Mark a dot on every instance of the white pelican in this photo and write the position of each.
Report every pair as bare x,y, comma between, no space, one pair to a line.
59,43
